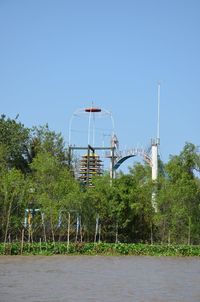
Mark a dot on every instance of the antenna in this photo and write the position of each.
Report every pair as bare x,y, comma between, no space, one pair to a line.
158,117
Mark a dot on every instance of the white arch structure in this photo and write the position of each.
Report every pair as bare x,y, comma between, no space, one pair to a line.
91,113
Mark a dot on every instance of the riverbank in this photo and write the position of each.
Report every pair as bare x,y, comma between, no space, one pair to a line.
62,248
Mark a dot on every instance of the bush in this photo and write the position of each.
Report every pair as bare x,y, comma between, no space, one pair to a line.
50,248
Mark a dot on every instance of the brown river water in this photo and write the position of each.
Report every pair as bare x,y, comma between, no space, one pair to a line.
98,278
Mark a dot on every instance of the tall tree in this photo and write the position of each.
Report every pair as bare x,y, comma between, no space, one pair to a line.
12,200
132,195
56,192
14,139
45,140
179,197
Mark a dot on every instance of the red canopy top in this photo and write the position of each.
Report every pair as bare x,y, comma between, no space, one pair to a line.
92,109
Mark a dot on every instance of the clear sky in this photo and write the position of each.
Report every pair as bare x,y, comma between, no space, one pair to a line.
59,55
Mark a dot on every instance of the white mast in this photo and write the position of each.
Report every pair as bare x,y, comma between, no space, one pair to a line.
154,151
156,142
158,116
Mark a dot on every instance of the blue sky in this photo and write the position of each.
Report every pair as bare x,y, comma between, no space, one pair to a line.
58,55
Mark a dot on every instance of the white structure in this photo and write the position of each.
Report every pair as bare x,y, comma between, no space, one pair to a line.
154,171
155,143
94,131
154,154
154,159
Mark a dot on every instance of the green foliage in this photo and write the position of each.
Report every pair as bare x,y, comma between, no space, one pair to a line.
34,175
43,140
132,198
112,249
12,198
55,191
14,143
179,198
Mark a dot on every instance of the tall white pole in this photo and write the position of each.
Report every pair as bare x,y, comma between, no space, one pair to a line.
158,117
70,129
156,143
89,126
93,130
154,171
154,151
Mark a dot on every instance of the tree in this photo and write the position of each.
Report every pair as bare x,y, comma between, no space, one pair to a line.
45,140
12,199
56,192
14,139
132,195
97,204
179,197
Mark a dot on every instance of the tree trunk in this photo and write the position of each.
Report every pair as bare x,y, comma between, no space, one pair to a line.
22,242
116,233
68,231
189,230
44,228
8,220
151,233
96,229
52,230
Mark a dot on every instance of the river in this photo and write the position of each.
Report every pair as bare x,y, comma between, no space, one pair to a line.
98,278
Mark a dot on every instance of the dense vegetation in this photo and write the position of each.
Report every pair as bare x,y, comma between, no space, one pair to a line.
41,202
108,249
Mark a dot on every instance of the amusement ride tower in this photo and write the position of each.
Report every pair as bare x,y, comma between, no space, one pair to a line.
91,164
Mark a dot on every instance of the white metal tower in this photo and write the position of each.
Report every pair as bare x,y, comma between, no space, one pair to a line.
154,151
